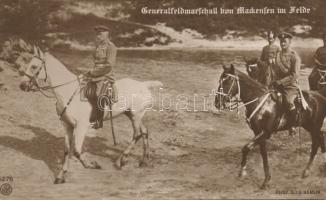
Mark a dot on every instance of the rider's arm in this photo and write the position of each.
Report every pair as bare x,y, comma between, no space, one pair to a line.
294,71
104,66
318,58
317,61
111,55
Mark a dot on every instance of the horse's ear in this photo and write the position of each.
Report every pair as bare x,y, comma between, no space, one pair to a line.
224,67
40,53
35,50
245,59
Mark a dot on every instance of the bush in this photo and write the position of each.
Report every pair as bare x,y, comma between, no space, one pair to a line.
26,18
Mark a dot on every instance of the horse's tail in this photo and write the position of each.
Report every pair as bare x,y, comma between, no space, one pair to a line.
152,84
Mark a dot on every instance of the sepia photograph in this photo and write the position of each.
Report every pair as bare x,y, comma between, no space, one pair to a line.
162,99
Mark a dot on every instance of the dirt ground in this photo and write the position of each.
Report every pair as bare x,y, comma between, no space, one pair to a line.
193,155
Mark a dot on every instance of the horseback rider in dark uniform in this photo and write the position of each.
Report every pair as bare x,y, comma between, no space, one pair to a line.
287,71
269,51
320,64
267,59
102,72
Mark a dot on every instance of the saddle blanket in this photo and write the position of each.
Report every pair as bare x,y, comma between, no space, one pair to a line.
92,89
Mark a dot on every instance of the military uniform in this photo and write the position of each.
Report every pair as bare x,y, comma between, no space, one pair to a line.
104,61
287,71
269,53
314,77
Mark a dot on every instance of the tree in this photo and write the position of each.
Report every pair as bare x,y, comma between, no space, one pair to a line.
26,18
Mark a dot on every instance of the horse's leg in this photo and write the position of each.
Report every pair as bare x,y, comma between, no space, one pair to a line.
144,133
245,150
263,152
65,165
79,136
314,149
135,121
323,149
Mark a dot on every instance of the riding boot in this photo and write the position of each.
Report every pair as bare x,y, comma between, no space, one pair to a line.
114,93
99,121
99,113
292,117
93,116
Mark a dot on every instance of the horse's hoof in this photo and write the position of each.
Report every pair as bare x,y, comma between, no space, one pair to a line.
143,163
95,165
305,174
243,173
264,186
119,163
59,181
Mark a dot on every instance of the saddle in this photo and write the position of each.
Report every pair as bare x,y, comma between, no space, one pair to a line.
100,96
299,101
94,89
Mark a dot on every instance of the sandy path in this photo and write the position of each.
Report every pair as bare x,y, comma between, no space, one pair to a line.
193,154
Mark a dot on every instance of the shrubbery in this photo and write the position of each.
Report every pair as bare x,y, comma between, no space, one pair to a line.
26,18
32,19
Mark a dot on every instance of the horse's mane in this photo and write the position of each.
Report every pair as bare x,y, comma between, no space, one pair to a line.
251,83
59,66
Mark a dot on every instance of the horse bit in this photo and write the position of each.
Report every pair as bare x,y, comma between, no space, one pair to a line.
233,103
237,97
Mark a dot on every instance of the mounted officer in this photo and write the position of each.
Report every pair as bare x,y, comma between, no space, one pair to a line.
287,71
320,65
267,59
102,72
269,51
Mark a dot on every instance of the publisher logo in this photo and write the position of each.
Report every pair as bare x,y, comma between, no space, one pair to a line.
6,189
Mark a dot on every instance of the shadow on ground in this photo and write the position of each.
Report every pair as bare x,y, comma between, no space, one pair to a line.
50,149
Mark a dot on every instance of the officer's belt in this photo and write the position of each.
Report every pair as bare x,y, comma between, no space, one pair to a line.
100,78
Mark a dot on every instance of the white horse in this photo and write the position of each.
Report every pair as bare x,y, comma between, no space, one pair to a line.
134,97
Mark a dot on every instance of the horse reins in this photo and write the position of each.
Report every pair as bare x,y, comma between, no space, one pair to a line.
228,94
39,88
236,79
42,89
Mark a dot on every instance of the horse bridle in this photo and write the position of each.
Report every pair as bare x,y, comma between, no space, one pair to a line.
322,74
235,104
33,81
233,100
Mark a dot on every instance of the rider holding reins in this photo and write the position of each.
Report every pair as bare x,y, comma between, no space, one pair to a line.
269,51
287,71
320,64
104,61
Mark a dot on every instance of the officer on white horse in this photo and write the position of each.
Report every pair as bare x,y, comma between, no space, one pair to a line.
102,72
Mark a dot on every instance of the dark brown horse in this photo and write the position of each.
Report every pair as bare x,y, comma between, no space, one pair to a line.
317,79
265,116
259,70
